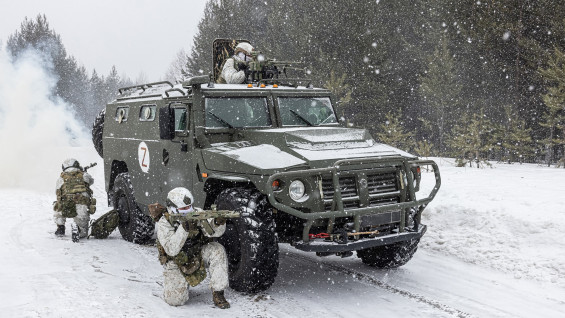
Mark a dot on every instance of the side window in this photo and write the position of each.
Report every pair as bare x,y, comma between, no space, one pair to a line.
181,119
122,114
147,113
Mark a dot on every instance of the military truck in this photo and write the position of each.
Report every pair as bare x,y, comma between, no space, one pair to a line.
271,149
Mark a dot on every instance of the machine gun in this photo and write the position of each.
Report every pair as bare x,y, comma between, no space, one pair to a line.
262,68
89,166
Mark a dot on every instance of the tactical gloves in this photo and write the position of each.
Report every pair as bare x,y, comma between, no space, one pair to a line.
242,66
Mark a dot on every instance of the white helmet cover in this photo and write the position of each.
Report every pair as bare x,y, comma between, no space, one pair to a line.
244,46
70,163
179,198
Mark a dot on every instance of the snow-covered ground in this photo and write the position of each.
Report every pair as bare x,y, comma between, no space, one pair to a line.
493,248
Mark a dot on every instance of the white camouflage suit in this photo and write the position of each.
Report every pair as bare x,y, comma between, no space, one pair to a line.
230,72
83,217
213,254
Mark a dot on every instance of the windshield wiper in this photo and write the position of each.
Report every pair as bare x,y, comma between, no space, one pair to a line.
325,120
301,118
220,119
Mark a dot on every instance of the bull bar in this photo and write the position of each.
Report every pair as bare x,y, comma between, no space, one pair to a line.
339,211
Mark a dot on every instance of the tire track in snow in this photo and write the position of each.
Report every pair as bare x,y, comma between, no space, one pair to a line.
366,278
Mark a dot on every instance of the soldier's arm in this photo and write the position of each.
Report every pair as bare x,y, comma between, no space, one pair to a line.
230,74
172,240
59,183
88,178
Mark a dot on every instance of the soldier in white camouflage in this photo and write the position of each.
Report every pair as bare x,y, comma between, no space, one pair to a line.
74,198
233,71
187,250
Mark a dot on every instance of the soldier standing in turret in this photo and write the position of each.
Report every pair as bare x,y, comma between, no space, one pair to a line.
233,71
186,250
74,198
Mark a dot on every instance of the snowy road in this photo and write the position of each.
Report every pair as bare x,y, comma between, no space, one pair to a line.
496,253
45,276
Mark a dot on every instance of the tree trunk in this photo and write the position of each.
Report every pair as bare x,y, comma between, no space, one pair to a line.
549,148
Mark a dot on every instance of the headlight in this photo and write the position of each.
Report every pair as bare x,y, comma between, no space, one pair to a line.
296,190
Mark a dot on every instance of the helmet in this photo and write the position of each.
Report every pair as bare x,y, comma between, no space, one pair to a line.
70,163
179,200
245,47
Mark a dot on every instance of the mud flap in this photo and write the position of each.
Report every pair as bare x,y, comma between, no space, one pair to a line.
104,225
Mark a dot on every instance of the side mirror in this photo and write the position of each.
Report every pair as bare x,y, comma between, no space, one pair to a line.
166,123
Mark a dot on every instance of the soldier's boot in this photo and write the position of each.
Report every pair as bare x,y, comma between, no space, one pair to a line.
60,230
219,300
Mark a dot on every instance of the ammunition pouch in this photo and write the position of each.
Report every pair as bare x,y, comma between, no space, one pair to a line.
92,206
189,261
67,207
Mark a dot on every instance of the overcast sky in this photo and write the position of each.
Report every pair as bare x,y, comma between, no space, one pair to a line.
135,35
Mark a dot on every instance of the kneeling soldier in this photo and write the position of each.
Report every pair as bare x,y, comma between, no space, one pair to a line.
186,250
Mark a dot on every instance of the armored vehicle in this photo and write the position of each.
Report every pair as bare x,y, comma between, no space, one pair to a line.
273,150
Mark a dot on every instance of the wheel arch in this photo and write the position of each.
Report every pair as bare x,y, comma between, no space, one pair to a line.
214,186
116,168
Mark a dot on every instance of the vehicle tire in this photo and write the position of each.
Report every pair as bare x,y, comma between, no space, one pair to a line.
389,256
134,226
250,241
97,130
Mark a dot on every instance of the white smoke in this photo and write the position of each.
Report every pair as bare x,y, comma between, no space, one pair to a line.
37,130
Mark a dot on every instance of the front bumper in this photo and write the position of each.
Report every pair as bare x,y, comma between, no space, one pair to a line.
407,194
331,247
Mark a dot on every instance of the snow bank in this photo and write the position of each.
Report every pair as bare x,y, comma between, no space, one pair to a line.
510,218
36,128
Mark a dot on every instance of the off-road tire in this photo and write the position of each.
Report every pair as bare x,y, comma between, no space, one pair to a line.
134,226
97,130
389,256
250,241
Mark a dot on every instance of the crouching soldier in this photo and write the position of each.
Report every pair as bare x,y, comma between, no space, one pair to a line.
74,198
186,249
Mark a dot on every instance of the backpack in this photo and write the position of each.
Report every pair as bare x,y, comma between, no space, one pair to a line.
104,225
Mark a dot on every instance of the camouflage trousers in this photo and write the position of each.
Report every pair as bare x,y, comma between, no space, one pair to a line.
175,285
82,219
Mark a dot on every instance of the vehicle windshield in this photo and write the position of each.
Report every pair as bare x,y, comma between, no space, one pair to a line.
306,111
237,112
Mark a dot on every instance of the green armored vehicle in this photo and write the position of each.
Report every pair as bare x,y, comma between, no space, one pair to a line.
272,150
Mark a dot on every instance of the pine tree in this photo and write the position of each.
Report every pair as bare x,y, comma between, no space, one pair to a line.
554,99
440,90
341,91
392,132
471,139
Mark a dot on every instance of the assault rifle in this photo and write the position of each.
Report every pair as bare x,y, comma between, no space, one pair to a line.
204,215
89,166
262,68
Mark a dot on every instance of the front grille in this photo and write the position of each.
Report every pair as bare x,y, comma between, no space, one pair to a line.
382,183
382,189
348,186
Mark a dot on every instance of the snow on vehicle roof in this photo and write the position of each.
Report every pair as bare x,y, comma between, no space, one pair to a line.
152,92
254,87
